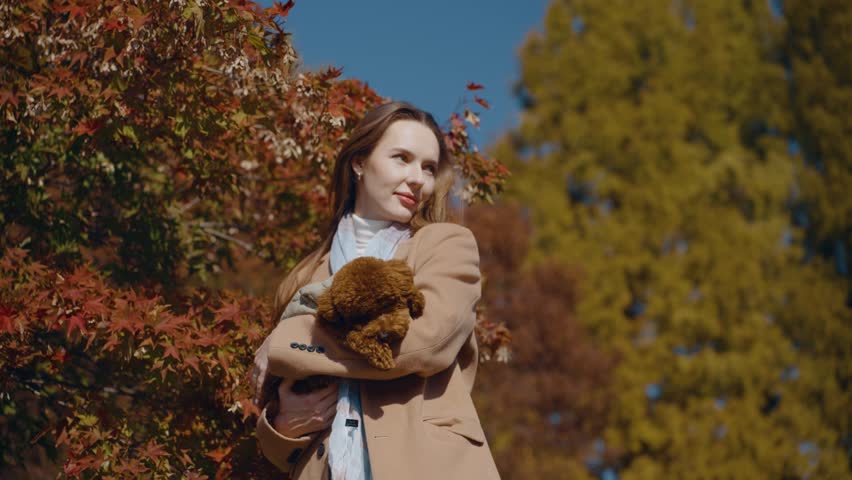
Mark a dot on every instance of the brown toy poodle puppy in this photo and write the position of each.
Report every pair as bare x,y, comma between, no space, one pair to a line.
369,305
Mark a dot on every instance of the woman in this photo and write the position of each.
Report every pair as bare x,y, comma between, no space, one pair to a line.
390,188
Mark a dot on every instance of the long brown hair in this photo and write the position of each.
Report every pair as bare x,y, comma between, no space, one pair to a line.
362,140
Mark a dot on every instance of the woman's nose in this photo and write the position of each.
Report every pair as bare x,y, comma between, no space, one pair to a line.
415,175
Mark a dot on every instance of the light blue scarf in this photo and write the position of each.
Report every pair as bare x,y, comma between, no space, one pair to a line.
347,455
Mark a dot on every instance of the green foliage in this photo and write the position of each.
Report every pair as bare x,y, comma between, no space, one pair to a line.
654,156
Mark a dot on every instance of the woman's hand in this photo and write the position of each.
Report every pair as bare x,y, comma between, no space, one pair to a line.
301,414
303,302
258,372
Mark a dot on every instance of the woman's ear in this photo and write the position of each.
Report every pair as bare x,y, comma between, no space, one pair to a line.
358,166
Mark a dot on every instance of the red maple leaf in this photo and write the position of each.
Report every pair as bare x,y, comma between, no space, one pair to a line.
75,9
76,321
330,73
7,322
282,10
60,356
207,338
111,344
79,57
164,371
96,307
474,86
152,451
113,24
133,466
125,317
184,457
228,313
60,92
171,351
192,361
62,73
8,97
481,102
168,324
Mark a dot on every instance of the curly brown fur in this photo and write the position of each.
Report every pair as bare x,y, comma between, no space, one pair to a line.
372,339
370,304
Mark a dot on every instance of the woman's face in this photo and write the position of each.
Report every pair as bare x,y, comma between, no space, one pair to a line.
403,164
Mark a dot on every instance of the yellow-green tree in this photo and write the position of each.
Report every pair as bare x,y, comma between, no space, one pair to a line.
654,152
819,66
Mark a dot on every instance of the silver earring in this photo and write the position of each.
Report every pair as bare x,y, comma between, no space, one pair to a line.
358,174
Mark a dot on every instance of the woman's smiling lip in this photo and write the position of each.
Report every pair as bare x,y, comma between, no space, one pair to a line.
407,199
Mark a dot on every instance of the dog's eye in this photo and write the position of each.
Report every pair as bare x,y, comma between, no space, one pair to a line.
383,336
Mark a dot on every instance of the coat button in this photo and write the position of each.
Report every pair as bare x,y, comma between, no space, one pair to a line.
320,450
294,455
294,345
310,348
320,349
302,346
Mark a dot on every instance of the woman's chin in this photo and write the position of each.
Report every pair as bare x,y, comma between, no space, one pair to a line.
403,217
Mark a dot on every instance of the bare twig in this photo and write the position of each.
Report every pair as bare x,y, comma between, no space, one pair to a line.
247,246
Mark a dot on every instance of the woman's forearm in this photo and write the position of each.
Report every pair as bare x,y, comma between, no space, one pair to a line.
449,279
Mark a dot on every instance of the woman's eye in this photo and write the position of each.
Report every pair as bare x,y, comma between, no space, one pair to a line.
432,168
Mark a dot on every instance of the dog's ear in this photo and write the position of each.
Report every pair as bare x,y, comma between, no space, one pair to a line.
377,353
325,310
416,303
327,314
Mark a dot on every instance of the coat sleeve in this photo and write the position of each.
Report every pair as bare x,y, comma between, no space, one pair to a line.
282,451
446,270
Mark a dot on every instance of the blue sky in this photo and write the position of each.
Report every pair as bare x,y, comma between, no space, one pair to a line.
423,52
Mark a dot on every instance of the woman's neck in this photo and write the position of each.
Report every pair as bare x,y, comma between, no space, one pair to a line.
365,230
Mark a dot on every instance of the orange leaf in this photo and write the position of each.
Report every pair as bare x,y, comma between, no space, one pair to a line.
60,356
171,351
138,18
87,127
152,451
192,361
282,10
113,24
219,454
249,408
8,97
228,313
474,86
7,322
109,54
76,321
76,10
481,102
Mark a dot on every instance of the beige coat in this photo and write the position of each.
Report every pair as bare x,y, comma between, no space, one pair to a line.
419,419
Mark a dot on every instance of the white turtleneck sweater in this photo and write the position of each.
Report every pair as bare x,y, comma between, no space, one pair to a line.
365,229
